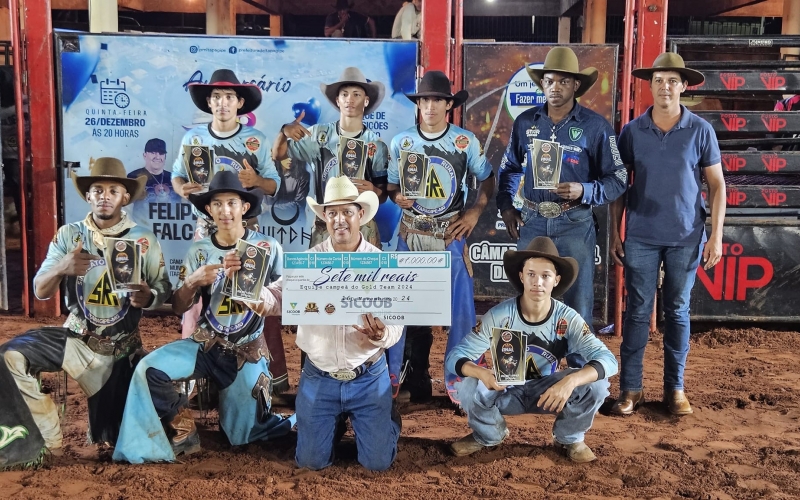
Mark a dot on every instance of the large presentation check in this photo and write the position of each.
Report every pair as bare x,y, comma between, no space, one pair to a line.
336,288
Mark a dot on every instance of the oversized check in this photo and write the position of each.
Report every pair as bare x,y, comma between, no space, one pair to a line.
336,288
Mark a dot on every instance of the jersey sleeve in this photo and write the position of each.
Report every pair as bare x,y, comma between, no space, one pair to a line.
510,172
611,178
307,148
581,340
474,344
266,167
710,154
62,244
477,163
393,173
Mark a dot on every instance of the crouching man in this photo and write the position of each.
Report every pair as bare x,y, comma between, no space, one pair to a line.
553,330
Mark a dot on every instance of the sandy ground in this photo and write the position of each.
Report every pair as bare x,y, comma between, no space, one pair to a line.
743,441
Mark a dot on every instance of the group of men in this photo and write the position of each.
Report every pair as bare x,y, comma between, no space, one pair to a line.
354,371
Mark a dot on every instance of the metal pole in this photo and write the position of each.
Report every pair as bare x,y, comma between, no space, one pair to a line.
458,56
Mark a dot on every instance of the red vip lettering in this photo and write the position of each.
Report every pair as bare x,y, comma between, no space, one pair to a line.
772,81
773,162
695,87
732,163
735,274
773,197
773,123
735,197
732,81
732,121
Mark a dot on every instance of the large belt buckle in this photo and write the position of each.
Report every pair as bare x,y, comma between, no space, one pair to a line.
102,348
440,229
343,375
549,209
424,223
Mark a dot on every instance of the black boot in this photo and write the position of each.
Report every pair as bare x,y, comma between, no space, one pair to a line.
419,340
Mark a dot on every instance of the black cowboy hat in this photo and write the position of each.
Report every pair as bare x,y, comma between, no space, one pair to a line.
227,181
225,79
437,84
109,169
343,5
543,247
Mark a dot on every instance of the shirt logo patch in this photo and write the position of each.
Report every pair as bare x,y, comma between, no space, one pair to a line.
461,142
371,149
101,294
252,144
322,138
406,143
144,244
561,327
202,257
435,188
196,141
532,132
575,133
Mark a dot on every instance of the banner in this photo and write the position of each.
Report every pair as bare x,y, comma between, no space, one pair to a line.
127,96
499,91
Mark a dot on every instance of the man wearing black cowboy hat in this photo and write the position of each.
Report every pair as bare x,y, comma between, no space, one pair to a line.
354,96
670,150
552,330
96,344
347,23
441,220
227,347
591,171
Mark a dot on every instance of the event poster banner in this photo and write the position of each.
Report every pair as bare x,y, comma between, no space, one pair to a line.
499,91
127,96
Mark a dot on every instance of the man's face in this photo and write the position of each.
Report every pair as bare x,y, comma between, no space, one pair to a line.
344,222
559,88
224,104
352,100
434,110
106,199
667,87
154,162
227,209
538,278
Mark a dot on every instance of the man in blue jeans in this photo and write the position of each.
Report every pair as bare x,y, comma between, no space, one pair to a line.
591,171
552,331
669,150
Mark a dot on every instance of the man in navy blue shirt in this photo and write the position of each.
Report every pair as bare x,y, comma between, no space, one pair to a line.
669,150
591,171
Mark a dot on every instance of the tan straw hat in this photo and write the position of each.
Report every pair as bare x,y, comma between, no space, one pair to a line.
353,76
342,191
670,61
109,169
564,60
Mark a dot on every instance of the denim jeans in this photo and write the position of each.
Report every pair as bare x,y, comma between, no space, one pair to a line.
573,233
367,400
642,262
485,408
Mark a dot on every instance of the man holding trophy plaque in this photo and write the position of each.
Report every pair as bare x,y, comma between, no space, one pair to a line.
545,331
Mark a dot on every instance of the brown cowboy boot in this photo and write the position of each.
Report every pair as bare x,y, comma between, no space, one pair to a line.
627,402
184,438
677,403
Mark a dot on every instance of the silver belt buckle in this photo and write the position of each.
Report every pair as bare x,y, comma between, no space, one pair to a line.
343,375
549,209
423,223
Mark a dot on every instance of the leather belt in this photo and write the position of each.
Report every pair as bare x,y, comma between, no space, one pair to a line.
249,352
435,226
551,209
348,375
104,346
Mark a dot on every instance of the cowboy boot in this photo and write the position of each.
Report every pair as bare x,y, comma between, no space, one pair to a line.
183,434
677,403
418,381
627,402
577,452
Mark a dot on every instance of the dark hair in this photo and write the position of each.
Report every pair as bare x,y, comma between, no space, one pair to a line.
558,270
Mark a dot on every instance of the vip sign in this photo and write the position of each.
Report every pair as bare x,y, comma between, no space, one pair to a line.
772,81
735,274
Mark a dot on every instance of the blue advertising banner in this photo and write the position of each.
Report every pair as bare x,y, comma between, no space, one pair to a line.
127,96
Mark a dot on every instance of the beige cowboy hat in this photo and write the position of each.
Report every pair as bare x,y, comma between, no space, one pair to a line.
342,191
670,61
353,76
564,60
543,247
109,169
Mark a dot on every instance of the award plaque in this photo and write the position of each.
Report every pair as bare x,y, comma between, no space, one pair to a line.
123,264
413,170
198,161
508,355
545,163
352,156
249,280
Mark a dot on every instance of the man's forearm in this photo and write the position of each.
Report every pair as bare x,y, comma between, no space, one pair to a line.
280,148
177,183
718,206
46,285
485,191
615,209
392,190
269,186
183,298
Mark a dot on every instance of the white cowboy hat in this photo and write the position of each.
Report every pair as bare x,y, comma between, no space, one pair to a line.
342,191
353,76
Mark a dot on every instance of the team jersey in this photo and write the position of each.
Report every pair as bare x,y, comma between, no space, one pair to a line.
563,332
229,153
454,154
320,150
91,302
221,314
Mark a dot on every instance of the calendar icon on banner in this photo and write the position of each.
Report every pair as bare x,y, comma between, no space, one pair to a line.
113,92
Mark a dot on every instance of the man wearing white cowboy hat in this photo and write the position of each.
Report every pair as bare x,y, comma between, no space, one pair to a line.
441,220
96,344
670,150
228,345
591,171
345,371
552,331
354,96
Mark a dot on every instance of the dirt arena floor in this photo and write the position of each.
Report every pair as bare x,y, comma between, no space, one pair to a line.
743,441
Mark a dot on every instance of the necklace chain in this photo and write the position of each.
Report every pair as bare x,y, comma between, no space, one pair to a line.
555,129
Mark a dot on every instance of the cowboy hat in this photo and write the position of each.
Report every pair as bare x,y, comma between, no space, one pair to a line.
343,4
225,79
353,76
342,191
564,60
543,247
227,181
437,84
109,169
670,61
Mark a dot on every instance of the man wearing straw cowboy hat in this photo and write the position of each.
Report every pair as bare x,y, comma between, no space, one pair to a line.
345,371
96,344
553,330
670,151
591,171
441,220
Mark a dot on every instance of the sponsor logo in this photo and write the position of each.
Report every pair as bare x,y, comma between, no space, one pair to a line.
773,81
120,246
249,264
506,336
322,138
371,149
773,162
406,143
350,154
773,197
732,121
251,252
198,162
252,144
575,133
733,163
311,307
507,349
293,305
561,327
461,142
735,197
330,308
731,81
412,158
773,123
759,42
735,274
532,132
121,258
351,144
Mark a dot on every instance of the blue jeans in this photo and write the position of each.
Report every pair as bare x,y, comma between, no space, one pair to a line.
642,262
574,235
485,408
367,400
